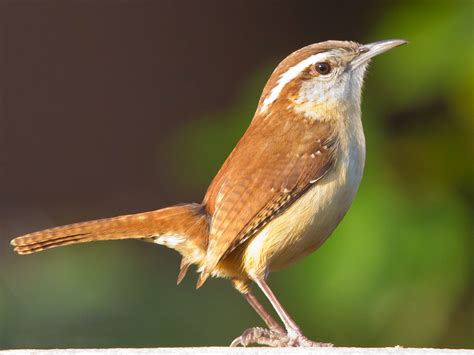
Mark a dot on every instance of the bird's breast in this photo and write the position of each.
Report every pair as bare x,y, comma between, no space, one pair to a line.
307,223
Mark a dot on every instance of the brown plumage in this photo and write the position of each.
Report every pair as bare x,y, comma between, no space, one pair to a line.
277,197
167,223
258,182
255,184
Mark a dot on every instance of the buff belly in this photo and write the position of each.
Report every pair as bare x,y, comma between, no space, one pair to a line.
304,226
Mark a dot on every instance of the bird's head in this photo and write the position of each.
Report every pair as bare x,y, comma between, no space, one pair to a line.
321,78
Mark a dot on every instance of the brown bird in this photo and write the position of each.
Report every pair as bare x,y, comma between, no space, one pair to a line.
278,196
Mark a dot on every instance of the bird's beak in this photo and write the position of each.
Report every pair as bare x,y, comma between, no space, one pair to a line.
368,51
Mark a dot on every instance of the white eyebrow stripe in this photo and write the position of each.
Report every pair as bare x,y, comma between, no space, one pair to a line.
289,75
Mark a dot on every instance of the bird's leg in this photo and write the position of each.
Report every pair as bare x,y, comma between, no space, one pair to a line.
291,327
267,318
244,288
257,334
292,337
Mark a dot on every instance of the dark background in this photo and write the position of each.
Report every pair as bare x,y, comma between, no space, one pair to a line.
115,107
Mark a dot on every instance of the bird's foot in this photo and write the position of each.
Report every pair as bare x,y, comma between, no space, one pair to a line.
262,336
259,336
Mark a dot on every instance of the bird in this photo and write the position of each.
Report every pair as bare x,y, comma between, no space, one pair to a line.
278,196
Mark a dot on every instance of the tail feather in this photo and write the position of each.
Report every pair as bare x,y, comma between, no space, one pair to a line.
32,248
183,228
183,269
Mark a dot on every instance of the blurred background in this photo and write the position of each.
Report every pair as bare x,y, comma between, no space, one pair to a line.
116,107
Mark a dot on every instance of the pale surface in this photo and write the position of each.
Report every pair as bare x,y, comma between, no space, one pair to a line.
244,351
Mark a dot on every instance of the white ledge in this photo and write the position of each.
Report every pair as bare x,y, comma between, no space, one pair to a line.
243,351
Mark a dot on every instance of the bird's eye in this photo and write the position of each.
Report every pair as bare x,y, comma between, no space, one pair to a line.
323,68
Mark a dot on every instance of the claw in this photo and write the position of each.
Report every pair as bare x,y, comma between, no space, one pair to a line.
259,336
269,337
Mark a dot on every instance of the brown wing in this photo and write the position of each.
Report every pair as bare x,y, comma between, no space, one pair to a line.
274,162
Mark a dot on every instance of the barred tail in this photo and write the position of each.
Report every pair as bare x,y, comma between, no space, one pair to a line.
183,228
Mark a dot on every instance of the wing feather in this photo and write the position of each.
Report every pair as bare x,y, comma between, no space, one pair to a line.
258,182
